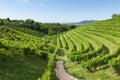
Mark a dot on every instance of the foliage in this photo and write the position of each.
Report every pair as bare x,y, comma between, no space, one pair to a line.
115,64
24,48
50,67
94,46
40,29
1,22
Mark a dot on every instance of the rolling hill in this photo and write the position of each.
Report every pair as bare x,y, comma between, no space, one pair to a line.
29,50
92,50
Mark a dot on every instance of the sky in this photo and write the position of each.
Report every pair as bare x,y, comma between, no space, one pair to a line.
59,10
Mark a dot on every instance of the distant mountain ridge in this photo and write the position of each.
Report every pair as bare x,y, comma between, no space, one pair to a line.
82,22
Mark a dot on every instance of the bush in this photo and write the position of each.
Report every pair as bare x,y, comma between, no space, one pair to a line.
1,23
115,64
1,45
28,52
48,73
44,54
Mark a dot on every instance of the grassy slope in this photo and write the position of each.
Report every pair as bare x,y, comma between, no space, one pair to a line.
102,74
26,30
15,67
32,67
26,69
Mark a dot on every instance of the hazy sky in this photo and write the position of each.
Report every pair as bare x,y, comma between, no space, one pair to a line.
59,10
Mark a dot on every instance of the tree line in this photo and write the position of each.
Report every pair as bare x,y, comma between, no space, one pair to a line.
46,28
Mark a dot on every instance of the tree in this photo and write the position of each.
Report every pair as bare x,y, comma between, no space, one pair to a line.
72,26
1,22
29,21
114,15
8,19
36,26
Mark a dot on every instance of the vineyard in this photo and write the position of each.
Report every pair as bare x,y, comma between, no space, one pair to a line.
24,56
90,51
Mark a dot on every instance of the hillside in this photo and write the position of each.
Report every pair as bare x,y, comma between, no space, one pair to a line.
26,43
34,28
29,50
23,56
92,50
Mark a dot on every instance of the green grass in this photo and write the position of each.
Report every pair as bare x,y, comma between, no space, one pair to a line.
97,33
19,58
29,68
79,72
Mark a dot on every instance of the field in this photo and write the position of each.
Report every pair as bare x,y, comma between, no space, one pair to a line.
24,56
90,51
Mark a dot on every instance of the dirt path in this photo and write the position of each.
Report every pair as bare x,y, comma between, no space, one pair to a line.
61,73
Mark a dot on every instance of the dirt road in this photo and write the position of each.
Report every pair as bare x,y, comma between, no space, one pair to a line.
61,73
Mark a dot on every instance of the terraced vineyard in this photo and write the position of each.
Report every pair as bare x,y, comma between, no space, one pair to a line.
89,52
24,56
92,50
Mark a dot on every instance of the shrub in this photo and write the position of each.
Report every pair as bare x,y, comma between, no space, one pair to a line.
28,52
115,64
